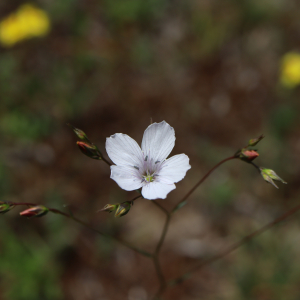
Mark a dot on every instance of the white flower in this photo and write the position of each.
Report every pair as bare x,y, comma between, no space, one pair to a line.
147,168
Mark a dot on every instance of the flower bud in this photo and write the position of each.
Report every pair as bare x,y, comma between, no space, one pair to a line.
80,133
255,141
248,155
123,209
269,175
110,207
36,211
89,150
5,207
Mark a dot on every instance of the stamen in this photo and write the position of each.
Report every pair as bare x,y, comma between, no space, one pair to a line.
146,158
148,178
157,161
136,167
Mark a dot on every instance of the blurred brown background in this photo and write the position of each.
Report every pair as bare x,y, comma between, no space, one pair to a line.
211,69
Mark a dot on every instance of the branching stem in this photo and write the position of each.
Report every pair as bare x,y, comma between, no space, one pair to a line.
163,284
168,214
70,216
203,179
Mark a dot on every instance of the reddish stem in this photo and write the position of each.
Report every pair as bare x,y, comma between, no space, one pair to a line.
237,245
203,178
24,203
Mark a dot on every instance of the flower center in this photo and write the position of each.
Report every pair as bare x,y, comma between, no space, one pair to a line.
149,178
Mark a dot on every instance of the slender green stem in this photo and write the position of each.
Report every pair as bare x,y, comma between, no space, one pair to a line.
161,278
137,197
102,158
145,253
235,246
255,166
106,161
202,180
163,235
155,257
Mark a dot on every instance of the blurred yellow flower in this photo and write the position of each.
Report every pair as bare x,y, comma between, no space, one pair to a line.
28,21
290,69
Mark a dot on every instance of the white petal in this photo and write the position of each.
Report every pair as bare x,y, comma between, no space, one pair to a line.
128,178
157,190
158,141
123,150
174,168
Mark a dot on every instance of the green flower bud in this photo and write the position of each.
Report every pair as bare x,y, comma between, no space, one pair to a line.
269,175
5,207
80,134
255,141
110,207
123,209
36,211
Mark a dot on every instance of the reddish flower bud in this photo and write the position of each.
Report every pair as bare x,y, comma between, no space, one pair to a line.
248,155
36,211
86,147
89,150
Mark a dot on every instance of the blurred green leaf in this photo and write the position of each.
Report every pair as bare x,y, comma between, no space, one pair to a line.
32,257
24,125
130,11
282,119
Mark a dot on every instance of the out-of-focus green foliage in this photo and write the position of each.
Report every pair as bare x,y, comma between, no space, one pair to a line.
212,69
264,269
28,268
129,11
